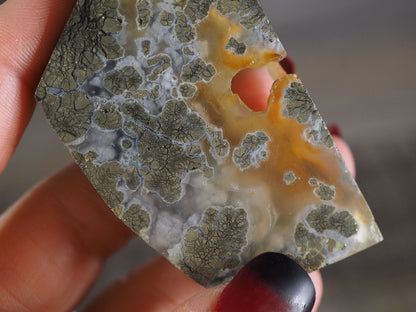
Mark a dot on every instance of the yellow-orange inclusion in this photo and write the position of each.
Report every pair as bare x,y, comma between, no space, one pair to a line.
288,148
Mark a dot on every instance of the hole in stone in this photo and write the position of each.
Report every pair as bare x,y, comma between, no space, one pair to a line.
253,87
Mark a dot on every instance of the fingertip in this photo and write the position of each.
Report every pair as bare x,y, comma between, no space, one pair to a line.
158,286
28,47
202,302
207,300
346,153
17,104
253,87
269,282
24,52
316,278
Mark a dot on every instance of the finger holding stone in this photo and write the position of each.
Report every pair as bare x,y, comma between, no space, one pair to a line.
29,31
54,242
158,286
346,153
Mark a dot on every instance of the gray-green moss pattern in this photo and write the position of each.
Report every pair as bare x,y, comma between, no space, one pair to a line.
164,160
197,71
136,218
315,237
299,105
69,115
124,79
88,36
184,31
103,177
160,62
108,117
166,18
325,192
146,47
236,47
132,178
197,10
187,90
164,164
252,151
289,177
179,124
215,245
220,146
143,13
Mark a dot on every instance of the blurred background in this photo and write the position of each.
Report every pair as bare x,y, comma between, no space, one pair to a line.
358,60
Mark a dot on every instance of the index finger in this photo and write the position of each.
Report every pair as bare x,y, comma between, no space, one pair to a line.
29,31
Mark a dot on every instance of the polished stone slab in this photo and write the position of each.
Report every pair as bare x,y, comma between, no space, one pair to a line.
140,92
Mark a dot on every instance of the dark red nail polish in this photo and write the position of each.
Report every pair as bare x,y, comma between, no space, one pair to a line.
288,65
271,282
334,129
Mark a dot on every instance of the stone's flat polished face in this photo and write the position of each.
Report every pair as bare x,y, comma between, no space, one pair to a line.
140,92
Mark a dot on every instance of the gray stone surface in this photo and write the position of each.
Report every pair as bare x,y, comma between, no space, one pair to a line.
357,59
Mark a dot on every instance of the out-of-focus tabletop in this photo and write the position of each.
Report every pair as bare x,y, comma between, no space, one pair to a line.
358,60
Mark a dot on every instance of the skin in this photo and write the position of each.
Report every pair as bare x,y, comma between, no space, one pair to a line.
51,255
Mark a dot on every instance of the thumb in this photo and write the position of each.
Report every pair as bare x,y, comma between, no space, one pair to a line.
205,301
156,287
270,282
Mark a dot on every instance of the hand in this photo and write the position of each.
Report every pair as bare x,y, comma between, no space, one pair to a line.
56,238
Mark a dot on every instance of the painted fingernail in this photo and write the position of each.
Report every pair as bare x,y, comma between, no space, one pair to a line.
288,65
334,129
271,282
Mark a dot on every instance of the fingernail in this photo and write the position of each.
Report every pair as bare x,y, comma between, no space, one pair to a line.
334,129
288,65
271,282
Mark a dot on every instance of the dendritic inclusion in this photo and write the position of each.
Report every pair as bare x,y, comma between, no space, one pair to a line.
140,92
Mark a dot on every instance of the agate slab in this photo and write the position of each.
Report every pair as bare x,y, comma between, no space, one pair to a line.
140,93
